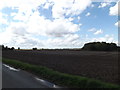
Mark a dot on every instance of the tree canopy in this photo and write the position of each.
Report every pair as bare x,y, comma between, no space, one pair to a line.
7,48
100,46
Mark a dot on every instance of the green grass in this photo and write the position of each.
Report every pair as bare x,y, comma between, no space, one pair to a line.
61,79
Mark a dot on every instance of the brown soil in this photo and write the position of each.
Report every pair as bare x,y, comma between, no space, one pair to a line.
99,65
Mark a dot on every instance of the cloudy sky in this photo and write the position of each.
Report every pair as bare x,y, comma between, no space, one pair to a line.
57,23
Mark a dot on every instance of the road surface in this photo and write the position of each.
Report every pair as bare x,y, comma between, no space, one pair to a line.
15,78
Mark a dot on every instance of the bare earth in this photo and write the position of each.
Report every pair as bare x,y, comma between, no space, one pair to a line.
99,65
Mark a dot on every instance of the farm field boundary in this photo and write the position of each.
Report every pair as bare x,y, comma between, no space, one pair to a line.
61,79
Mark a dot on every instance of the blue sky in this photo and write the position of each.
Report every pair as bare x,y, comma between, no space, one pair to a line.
57,24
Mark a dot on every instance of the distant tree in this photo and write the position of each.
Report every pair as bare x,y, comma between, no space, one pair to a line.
34,48
12,48
3,47
6,48
18,48
118,49
113,46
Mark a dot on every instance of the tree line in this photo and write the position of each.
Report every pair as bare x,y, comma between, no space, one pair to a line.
7,48
100,46
91,46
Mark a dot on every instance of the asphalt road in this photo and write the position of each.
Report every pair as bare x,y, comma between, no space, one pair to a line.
14,78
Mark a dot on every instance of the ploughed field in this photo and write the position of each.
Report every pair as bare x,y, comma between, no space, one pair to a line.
99,65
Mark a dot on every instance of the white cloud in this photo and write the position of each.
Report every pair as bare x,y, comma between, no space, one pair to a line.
92,29
104,4
106,38
55,28
114,10
78,17
17,36
68,41
48,4
92,5
22,5
111,0
98,32
70,19
88,14
69,7
117,24
3,19
30,24
33,30
25,7
105,0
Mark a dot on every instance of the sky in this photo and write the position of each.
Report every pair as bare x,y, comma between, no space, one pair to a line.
57,23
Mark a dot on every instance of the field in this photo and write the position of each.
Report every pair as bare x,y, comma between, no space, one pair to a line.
99,65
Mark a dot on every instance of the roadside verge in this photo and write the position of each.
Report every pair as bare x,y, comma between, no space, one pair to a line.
61,79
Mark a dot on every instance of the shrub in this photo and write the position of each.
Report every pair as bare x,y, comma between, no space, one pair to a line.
34,48
18,48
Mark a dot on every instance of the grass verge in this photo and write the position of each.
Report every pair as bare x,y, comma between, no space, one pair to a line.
61,79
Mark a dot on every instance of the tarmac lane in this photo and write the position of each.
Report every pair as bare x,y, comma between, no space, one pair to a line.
16,78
